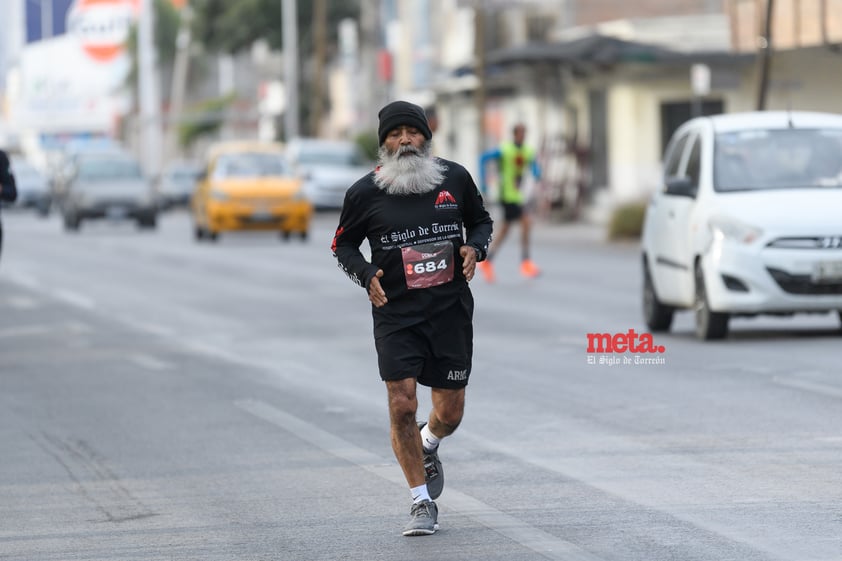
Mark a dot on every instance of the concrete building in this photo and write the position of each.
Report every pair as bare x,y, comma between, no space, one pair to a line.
618,76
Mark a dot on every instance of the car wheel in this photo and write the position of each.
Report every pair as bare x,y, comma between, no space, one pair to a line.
149,222
199,233
212,236
285,235
658,316
709,324
303,235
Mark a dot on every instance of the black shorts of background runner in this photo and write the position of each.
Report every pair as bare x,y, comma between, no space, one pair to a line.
512,211
437,353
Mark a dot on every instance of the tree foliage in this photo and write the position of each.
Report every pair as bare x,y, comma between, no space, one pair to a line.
230,27
205,119
167,20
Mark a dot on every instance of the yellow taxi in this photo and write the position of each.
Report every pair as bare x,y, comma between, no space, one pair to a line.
248,185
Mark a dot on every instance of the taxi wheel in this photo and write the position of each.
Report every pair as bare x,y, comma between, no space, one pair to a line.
198,233
304,235
285,235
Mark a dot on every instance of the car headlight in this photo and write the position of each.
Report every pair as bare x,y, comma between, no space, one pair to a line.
733,230
219,195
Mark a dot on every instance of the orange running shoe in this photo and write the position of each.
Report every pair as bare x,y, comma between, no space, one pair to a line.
487,270
529,269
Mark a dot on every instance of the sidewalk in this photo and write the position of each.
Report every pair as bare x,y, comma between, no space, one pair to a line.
570,232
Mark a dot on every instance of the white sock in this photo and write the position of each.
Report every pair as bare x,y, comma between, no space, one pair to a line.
420,493
428,440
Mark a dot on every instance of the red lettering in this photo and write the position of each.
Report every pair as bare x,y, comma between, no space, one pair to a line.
620,343
631,341
599,343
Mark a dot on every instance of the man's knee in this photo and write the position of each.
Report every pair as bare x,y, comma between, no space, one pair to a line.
449,408
403,402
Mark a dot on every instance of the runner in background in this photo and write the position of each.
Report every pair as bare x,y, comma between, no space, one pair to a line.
517,170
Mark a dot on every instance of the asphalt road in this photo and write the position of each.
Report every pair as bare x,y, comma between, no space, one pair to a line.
166,399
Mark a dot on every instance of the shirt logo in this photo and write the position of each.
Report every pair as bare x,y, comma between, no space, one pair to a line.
445,200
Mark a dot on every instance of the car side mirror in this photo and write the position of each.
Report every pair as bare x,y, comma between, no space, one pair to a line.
681,186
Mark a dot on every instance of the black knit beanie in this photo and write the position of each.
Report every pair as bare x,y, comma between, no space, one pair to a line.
400,113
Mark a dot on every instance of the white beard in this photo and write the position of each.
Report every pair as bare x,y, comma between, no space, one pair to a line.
408,171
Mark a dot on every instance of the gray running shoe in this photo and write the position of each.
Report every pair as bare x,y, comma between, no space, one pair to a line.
434,473
424,519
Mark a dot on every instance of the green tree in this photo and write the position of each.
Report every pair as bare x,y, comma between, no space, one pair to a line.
231,27
167,20
205,119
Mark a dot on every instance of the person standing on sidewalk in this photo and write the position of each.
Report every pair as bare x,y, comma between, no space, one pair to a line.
427,227
8,190
517,170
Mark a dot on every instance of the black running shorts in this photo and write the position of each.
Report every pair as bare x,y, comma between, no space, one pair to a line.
512,212
437,353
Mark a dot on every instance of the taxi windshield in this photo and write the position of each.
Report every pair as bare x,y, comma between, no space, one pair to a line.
253,164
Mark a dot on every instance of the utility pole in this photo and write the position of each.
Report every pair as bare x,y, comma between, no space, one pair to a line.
150,123
290,31
320,41
765,57
179,80
479,97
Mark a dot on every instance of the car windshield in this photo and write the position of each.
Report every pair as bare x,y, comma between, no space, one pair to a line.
98,169
182,175
330,157
252,164
778,159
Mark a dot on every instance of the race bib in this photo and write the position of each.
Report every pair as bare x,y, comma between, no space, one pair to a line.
429,264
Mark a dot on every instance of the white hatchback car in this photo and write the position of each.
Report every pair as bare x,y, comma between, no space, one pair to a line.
749,220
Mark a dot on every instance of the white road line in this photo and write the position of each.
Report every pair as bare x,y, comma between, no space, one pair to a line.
528,536
22,303
22,279
74,299
150,362
25,331
153,328
814,387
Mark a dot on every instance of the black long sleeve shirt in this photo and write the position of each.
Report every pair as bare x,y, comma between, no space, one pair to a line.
8,192
415,239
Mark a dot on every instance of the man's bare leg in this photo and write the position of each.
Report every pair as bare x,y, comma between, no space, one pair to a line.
406,440
448,408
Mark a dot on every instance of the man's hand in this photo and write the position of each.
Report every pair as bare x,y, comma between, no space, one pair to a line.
469,261
375,292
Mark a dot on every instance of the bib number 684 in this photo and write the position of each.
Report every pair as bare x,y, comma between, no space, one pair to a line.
425,267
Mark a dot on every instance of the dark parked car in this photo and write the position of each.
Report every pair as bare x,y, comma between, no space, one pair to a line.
108,185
